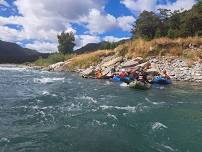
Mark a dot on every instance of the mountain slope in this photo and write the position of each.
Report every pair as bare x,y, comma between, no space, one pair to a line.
13,53
90,47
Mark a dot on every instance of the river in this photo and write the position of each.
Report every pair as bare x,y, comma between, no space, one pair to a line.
44,111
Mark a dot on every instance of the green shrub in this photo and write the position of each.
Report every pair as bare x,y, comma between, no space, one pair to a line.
52,59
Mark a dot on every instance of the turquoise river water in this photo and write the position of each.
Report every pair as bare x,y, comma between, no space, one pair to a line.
60,112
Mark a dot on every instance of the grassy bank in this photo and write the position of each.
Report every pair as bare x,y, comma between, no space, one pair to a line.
188,48
87,59
180,47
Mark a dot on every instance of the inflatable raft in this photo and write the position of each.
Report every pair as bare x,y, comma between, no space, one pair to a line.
161,80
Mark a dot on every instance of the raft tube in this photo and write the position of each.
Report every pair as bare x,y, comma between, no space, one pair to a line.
118,78
161,80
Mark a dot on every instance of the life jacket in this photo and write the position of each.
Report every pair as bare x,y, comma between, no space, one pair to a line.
122,75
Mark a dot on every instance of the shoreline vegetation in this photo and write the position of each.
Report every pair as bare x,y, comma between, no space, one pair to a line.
181,57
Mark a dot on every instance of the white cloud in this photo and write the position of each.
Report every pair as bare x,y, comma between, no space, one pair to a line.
139,5
11,35
152,5
125,22
82,40
44,47
179,4
98,22
44,19
4,3
114,39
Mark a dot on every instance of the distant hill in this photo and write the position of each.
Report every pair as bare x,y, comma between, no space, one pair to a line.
90,47
13,53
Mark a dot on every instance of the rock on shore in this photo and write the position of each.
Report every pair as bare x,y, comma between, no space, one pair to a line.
178,69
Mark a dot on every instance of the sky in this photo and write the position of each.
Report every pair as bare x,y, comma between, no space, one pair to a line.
35,24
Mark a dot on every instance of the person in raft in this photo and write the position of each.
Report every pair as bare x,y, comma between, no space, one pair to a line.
143,76
133,75
165,75
123,74
98,74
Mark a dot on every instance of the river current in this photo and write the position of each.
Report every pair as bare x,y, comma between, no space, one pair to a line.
44,111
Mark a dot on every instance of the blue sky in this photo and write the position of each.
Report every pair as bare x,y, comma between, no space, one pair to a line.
35,23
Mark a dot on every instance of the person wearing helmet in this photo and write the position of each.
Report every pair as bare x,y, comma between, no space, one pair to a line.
123,74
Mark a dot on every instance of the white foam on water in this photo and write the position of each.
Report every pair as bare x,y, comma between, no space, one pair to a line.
72,107
107,83
54,95
167,147
91,99
42,114
152,102
35,107
124,84
39,101
5,140
128,108
99,123
69,126
45,93
105,107
124,114
47,80
158,125
114,125
112,116
12,68
48,107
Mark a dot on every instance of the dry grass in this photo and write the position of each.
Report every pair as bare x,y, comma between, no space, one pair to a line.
190,63
87,59
159,47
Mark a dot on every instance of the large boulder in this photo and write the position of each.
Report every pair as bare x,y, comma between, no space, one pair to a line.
56,66
143,65
132,62
88,71
107,71
112,62
152,71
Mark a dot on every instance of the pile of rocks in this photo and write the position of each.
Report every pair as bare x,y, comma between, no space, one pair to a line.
177,68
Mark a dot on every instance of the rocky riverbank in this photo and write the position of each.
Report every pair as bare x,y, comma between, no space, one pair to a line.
179,69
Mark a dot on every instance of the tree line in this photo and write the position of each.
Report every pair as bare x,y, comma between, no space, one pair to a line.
166,23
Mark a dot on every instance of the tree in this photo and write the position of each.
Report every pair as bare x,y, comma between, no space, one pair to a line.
171,33
164,15
158,33
182,23
146,25
66,42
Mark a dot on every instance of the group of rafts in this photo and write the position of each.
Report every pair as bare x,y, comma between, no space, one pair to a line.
135,78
